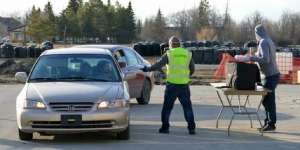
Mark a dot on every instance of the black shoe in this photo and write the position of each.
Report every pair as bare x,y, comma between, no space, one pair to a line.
192,132
268,128
259,129
164,131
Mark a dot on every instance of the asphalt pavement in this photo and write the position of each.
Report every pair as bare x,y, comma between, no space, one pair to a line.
145,121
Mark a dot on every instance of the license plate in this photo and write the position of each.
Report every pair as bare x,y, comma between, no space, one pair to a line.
71,120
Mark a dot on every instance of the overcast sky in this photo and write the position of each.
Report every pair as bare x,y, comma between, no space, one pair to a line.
143,8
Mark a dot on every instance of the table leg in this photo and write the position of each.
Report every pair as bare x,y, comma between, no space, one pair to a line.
257,115
219,116
233,114
261,126
246,110
221,111
239,99
230,123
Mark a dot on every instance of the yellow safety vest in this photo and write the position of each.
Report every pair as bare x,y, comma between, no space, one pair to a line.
178,71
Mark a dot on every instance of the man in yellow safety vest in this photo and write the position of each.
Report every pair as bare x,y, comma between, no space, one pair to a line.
180,66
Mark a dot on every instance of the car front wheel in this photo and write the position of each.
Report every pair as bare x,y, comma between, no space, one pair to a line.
25,136
124,135
146,94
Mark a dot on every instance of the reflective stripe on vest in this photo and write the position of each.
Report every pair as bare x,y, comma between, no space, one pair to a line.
178,71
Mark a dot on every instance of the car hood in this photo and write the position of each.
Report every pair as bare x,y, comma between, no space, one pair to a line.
74,91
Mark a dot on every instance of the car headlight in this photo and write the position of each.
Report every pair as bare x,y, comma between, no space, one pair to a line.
113,104
34,104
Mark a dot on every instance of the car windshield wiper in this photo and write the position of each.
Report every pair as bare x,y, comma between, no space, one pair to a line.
83,79
43,79
101,80
72,78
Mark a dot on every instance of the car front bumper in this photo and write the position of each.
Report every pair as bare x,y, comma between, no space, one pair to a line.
112,120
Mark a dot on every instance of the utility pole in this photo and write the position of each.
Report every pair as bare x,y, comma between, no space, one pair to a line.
24,35
225,23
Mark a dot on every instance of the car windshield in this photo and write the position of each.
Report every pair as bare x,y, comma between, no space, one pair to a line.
75,67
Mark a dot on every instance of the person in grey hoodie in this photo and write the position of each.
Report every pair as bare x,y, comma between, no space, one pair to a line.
266,58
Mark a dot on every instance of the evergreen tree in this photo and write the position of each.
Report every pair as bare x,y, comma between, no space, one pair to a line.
71,19
49,22
159,27
35,24
85,20
121,23
130,23
99,20
74,5
138,30
110,23
203,14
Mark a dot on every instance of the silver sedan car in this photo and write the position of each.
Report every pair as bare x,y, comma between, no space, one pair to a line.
73,90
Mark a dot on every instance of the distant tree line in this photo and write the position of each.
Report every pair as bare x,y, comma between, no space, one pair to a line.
206,23
94,21
91,21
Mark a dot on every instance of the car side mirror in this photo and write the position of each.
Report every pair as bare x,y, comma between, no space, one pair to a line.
21,76
122,64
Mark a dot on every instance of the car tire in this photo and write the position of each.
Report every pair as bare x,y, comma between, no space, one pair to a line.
124,135
25,136
146,93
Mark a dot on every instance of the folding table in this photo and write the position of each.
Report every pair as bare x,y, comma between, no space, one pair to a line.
241,108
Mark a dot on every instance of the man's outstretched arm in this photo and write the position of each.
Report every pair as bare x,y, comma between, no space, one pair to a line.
159,64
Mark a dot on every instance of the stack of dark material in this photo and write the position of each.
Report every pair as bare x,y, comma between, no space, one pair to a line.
208,56
205,56
34,52
47,45
296,52
156,49
17,51
250,44
38,52
25,52
201,44
231,52
163,48
208,44
194,44
185,44
148,49
215,43
138,48
229,44
31,51
7,50
219,55
198,56
143,49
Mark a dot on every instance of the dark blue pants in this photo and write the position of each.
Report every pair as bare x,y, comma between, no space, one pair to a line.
182,92
269,101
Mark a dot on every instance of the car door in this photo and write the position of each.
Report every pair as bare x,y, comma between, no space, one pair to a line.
133,67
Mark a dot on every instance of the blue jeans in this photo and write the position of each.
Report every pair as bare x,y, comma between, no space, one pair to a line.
269,101
182,92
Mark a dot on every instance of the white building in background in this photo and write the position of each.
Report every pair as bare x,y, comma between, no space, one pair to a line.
11,28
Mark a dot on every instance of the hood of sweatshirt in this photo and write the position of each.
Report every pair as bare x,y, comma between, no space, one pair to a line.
260,32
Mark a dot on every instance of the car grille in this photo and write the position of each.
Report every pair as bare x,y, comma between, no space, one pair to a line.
83,124
71,107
